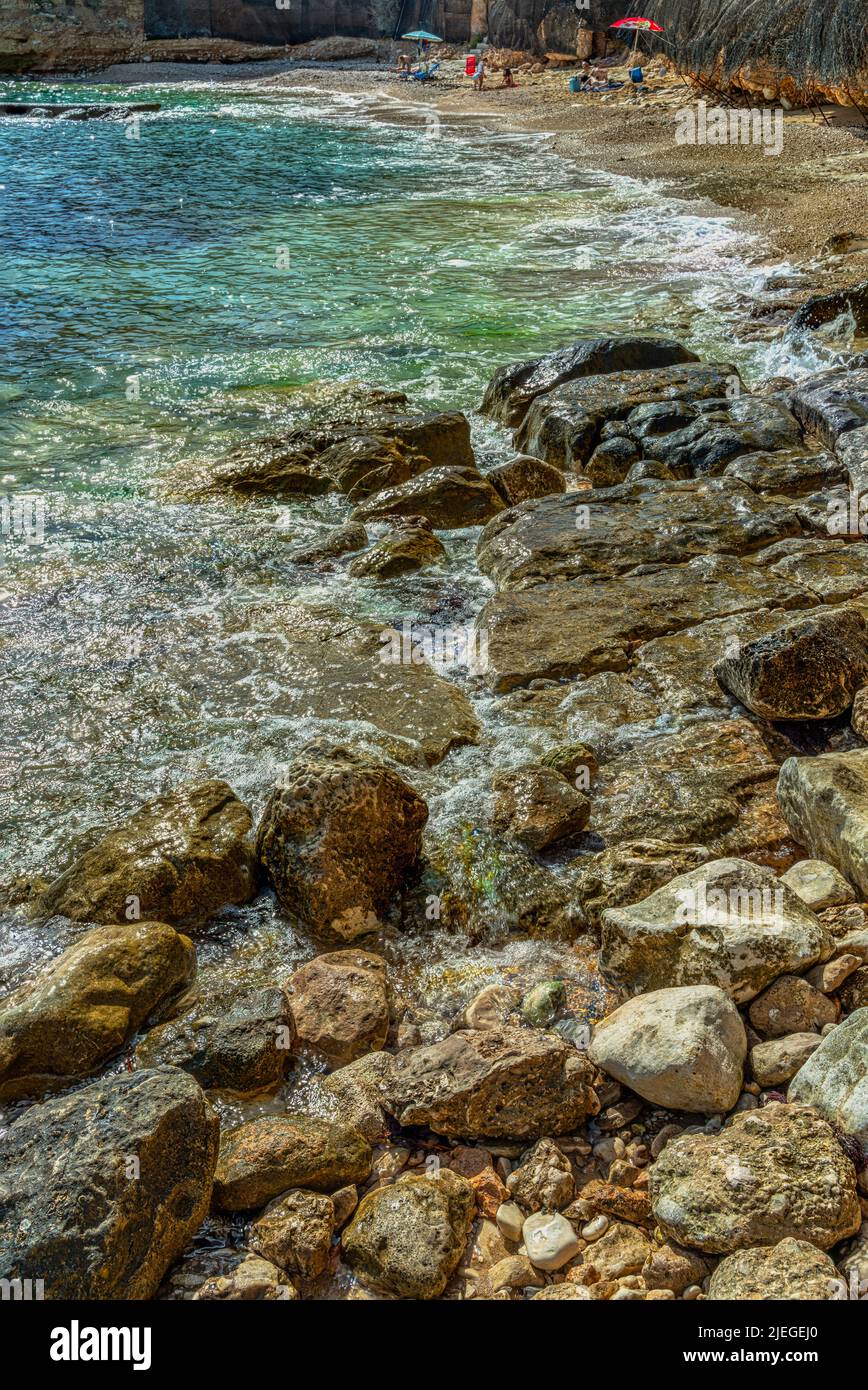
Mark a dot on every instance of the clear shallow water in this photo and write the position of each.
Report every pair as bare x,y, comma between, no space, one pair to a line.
179,285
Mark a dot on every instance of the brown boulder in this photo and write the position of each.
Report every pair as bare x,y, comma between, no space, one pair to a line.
340,1004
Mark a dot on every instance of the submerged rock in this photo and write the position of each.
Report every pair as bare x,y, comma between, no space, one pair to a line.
340,1004
792,1269
832,403
768,1175
88,1002
679,1048
342,541
538,806
808,669
266,1156
408,1238
493,1083
730,923
337,839
825,803
241,1043
178,859
101,1190
403,551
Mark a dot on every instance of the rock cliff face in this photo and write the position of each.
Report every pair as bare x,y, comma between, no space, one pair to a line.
42,35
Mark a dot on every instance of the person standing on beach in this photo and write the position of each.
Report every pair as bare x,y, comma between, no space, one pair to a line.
479,79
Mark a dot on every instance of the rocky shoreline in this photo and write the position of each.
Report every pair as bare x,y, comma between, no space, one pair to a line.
679,595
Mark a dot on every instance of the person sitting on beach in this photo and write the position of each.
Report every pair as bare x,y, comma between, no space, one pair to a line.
508,79
585,74
479,79
404,64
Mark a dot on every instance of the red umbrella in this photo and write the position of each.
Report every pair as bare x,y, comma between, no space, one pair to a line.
638,23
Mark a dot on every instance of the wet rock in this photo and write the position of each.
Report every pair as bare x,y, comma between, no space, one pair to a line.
575,761
834,1079
808,669
541,1004
538,806
818,884
340,1004
852,450
241,1043
178,859
339,673
512,1082
610,462
513,388
621,1251
730,923
775,1062
356,1092
264,468
550,1240
705,446
708,782
788,473
825,803
544,1181
295,1232
70,1213
337,839
252,1279
831,570
769,1175
404,551
448,497
820,309
621,875
612,530
87,1003
563,425
791,1005
523,478
267,1156
792,1269
342,541
490,1008
673,1267
582,626
407,1239
832,403
683,1049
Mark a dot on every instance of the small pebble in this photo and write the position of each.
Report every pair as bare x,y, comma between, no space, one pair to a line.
595,1228
510,1219
692,1291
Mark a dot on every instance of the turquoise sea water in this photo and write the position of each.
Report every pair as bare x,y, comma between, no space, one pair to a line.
173,286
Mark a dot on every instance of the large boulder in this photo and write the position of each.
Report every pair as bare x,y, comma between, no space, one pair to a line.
608,531
792,1269
834,1079
239,1043
337,839
538,806
493,1083
808,669
832,403
178,859
570,627
407,549
729,923
101,1190
563,426
407,1239
88,1002
295,1232
512,388
825,803
340,1004
769,1175
267,1156
450,498
680,1048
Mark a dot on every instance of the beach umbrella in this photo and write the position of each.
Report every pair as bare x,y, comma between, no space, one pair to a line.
420,34
638,23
